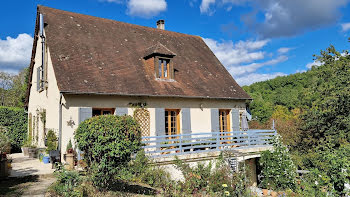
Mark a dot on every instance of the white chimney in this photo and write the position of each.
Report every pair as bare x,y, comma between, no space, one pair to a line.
160,24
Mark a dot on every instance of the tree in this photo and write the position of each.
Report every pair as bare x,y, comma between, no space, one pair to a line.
327,117
13,88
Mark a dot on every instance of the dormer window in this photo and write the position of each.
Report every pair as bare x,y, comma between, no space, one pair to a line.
164,68
159,60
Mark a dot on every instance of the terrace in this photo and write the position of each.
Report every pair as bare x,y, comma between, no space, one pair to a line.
208,144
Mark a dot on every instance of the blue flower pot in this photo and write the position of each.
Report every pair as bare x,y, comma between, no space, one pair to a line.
46,159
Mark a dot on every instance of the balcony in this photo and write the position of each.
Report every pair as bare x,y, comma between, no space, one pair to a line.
207,144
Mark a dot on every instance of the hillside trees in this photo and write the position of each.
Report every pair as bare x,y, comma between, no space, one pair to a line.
13,88
327,102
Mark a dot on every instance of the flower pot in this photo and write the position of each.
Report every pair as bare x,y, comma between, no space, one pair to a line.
25,151
265,192
70,161
3,167
46,159
32,152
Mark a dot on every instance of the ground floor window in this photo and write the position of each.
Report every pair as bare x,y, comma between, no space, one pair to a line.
172,122
102,111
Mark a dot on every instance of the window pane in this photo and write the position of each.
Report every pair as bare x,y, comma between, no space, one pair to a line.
160,67
165,64
166,123
107,112
96,112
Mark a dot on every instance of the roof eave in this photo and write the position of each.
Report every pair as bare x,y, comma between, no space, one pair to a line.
154,96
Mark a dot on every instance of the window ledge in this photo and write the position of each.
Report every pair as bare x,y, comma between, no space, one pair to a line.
166,80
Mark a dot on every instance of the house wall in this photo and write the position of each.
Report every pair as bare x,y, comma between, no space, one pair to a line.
46,100
200,109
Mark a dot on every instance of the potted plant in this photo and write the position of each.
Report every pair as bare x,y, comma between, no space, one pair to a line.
26,146
51,143
32,151
69,156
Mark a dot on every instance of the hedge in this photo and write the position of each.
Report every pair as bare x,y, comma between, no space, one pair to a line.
15,121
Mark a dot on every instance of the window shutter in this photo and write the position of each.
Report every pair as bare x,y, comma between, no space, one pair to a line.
235,119
160,121
186,120
84,113
121,111
38,79
215,125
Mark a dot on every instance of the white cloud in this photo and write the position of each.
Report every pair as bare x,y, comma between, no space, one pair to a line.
345,26
283,18
256,77
112,1
146,8
205,6
15,52
314,63
238,71
236,56
283,50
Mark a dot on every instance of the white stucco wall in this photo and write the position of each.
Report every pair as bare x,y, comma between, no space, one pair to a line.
47,99
200,108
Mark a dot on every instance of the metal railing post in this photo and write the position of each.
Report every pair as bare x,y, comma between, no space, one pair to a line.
181,144
217,141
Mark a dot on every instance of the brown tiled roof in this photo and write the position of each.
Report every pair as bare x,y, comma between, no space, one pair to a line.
158,49
101,56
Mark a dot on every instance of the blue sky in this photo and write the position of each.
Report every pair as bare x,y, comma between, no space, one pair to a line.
255,40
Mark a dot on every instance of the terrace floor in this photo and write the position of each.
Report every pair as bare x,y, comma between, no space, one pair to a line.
25,166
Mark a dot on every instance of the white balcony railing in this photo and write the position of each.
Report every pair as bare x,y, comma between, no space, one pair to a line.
164,146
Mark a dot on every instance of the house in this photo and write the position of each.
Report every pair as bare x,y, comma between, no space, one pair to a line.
172,83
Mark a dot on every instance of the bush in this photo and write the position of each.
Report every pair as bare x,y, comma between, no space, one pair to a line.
5,145
219,180
15,121
141,170
67,183
278,171
107,142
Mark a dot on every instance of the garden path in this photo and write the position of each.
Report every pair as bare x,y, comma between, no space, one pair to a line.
25,166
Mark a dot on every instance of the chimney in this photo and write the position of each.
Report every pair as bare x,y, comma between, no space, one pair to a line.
160,24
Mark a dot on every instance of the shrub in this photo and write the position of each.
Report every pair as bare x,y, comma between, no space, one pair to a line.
219,180
141,170
278,171
51,141
5,145
108,142
69,147
15,121
67,183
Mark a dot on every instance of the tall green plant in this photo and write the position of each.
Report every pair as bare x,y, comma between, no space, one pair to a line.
51,141
15,121
108,142
278,171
